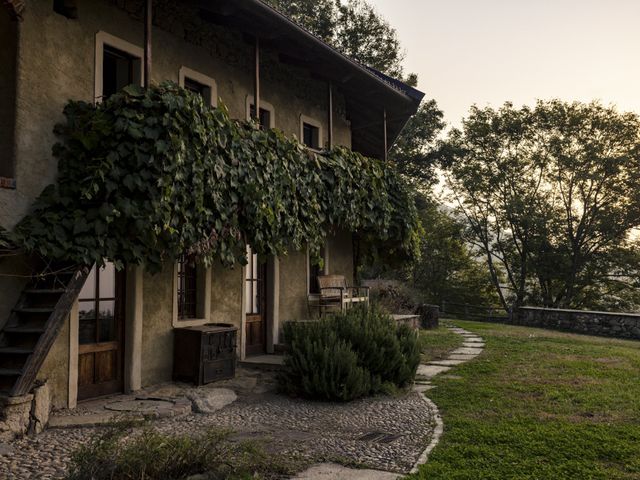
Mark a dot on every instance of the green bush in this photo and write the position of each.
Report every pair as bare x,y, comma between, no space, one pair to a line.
123,454
348,356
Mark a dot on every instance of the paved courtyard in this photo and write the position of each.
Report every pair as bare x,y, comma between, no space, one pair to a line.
386,434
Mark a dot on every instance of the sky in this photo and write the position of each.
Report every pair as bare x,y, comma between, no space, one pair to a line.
486,52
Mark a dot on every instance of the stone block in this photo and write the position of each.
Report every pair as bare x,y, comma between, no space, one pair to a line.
15,414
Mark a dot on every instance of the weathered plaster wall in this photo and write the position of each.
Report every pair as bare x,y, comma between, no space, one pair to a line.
55,369
8,54
293,287
341,255
226,295
157,329
62,68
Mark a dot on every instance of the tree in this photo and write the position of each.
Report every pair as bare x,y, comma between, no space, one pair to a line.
447,270
550,196
415,150
317,16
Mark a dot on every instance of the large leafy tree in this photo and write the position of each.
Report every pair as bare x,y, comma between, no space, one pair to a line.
551,197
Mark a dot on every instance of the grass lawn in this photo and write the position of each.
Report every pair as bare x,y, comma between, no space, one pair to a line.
436,344
539,404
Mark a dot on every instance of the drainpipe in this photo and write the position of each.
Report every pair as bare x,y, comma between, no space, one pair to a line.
330,118
384,128
256,81
148,17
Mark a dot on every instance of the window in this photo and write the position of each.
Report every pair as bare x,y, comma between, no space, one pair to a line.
118,64
255,274
310,136
200,84
265,116
187,289
117,71
192,293
97,306
310,132
8,75
314,270
266,119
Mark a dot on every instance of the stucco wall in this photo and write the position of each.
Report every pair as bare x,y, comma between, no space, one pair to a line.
51,72
157,329
62,68
341,255
226,295
293,287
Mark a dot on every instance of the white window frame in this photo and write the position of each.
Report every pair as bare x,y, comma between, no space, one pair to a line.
203,298
265,106
325,268
102,39
186,72
314,123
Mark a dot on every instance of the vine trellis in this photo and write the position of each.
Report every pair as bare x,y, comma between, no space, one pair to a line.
150,174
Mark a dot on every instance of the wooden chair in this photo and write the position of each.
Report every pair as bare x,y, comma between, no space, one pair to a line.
335,295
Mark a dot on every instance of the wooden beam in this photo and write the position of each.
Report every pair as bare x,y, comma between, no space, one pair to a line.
148,20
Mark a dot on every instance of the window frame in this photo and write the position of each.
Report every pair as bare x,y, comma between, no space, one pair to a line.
203,297
314,123
263,105
195,76
106,39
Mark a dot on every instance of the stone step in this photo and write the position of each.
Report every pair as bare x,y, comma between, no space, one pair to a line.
10,372
37,310
45,291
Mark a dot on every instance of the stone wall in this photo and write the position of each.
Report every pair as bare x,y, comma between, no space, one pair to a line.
619,325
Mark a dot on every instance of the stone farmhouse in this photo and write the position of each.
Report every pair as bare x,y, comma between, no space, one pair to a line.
114,332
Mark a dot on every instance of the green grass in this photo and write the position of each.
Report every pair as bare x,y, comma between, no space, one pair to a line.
539,405
436,344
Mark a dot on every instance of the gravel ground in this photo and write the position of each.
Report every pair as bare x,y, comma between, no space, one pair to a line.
311,431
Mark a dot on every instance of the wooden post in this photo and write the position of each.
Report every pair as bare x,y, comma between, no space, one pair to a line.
386,147
256,82
148,19
330,117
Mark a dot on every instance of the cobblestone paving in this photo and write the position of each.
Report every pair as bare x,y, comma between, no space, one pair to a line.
312,431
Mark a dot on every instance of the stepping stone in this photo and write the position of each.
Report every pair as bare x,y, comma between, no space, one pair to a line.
447,363
462,356
332,471
467,350
473,345
423,388
474,340
430,371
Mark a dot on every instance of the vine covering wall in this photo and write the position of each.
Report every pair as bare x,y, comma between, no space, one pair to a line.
150,174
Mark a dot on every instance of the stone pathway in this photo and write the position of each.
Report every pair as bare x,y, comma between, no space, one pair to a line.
381,433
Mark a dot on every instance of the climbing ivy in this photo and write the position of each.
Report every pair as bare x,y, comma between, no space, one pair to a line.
148,175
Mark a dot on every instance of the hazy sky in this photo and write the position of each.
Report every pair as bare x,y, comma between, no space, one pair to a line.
491,51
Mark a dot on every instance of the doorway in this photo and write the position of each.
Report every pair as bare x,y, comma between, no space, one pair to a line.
101,311
256,305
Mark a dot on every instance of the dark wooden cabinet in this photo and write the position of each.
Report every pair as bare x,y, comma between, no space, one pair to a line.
204,354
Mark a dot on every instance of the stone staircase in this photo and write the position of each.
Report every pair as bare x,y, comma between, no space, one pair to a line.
34,324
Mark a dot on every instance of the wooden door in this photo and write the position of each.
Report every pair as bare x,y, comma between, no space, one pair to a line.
256,305
100,333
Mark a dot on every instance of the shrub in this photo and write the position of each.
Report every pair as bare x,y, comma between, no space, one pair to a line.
320,365
347,356
123,454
